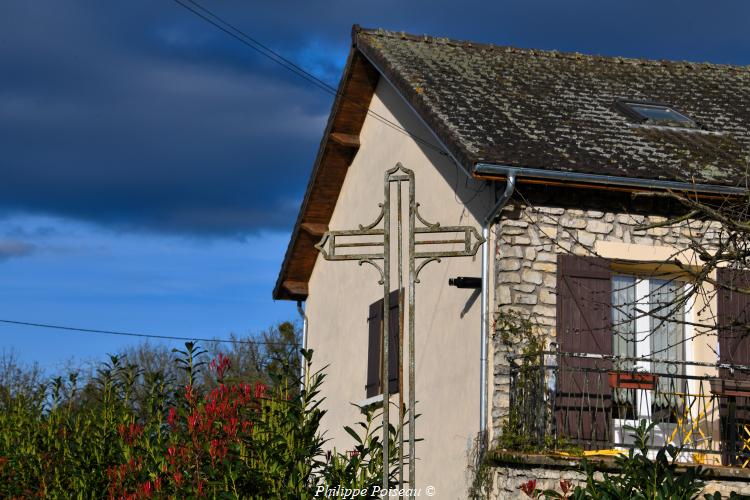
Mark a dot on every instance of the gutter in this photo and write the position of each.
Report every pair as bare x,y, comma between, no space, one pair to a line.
485,314
489,169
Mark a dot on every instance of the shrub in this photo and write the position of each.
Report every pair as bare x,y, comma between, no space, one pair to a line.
639,476
132,435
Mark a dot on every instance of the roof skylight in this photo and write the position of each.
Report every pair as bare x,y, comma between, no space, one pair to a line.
655,114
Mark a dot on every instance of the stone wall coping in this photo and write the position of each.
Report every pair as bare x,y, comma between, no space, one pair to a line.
505,458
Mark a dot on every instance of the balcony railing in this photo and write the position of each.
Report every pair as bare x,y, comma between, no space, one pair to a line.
588,401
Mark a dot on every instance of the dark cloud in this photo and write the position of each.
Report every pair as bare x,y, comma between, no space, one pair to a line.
14,248
16,231
119,123
139,115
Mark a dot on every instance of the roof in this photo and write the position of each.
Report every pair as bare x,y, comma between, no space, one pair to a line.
556,111
540,110
338,147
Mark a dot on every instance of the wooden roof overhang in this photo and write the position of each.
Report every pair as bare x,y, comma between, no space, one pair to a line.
338,147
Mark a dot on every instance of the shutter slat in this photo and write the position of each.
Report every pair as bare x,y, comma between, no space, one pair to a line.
733,316
374,322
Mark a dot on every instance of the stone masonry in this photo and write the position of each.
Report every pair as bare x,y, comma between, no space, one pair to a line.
509,477
528,241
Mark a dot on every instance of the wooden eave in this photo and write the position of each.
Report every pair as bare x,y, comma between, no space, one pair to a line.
338,148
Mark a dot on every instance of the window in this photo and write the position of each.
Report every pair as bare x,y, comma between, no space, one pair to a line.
600,315
374,386
636,333
605,315
648,322
655,114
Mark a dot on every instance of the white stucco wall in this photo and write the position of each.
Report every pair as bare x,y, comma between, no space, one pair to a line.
447,321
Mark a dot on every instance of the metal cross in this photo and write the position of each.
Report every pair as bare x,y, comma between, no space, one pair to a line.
335,245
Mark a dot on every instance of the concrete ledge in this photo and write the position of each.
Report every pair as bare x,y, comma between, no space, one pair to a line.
504,458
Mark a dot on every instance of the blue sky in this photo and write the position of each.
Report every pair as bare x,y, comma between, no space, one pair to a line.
152,166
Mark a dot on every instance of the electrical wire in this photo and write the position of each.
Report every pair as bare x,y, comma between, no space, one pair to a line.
142,335
236,33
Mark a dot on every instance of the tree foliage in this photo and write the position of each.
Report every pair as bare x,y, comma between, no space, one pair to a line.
189,429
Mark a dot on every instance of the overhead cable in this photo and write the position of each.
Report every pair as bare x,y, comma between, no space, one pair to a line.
143,335
236,33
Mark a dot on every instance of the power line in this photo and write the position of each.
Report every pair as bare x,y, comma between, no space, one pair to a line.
142,335
236,33
263,49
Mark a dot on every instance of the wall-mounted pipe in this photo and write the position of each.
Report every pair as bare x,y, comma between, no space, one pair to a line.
302,363
486,225
465,282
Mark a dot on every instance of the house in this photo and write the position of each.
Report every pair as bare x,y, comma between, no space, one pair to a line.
544,151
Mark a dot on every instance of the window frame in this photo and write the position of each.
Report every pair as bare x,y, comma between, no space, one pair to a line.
625,106
644,348
632,405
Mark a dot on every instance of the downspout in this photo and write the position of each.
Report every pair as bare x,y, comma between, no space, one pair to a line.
303,362
485,313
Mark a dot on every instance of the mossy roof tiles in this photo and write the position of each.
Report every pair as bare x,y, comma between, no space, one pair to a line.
534,109
555,111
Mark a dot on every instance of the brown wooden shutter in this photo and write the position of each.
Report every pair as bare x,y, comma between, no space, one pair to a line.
375,323
733,317
583,402
375,344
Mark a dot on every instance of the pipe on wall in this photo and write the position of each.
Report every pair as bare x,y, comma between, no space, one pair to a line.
485,309
302,364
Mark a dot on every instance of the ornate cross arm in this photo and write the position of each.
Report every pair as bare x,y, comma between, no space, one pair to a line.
471,241
333,243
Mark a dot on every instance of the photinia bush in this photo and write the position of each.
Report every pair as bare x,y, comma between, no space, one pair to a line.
206,438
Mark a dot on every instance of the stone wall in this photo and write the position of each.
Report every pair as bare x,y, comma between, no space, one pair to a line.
528,241
508,477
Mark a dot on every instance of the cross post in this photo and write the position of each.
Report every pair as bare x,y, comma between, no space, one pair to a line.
372,244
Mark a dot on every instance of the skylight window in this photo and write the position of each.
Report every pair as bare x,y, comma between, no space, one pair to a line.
655,114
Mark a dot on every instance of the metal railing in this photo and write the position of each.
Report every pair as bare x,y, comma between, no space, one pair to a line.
589,401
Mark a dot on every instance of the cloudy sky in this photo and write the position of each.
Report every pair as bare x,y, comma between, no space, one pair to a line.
151,166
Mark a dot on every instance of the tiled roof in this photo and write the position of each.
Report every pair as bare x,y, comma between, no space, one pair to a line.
551,110
533,109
